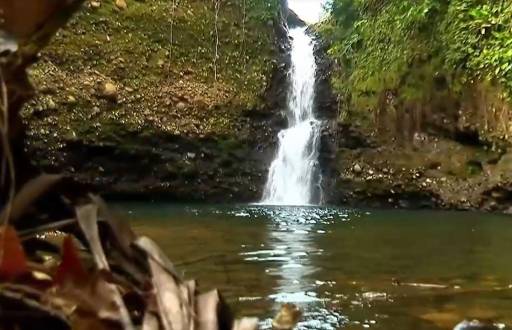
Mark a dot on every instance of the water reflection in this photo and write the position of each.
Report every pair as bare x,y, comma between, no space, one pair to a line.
346,269
289,252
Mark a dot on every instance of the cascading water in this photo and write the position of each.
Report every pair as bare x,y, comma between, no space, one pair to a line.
294,174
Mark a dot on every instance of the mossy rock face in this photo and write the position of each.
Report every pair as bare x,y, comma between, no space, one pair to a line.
146,81
424,103
435,66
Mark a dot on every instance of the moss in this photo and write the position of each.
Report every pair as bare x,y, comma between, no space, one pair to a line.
429,55
162,85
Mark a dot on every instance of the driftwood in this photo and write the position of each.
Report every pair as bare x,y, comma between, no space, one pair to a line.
100,275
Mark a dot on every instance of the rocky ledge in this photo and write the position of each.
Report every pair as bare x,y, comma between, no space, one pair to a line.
134,112
429,172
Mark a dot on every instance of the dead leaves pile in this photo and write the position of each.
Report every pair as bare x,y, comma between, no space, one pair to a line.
98,274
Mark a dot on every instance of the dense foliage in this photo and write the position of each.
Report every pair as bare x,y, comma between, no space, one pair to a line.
404,46
262,10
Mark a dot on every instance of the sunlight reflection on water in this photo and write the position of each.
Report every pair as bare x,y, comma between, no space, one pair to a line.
291,248
346,269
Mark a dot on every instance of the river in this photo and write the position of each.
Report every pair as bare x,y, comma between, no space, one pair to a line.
347,269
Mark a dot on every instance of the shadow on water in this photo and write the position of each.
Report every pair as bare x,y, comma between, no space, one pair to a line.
347,269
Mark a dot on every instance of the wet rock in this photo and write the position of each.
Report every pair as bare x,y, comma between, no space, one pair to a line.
51,105
71,99
47,90
121,4
95,4
95,111
109,91
357,169
70,136
287,317
477,325
181,106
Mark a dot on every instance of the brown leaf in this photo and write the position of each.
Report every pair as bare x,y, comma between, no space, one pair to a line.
150,322
147,245
174,311
246,323
121,230
189,292
87,217
70,268
94,296
206,309
13,262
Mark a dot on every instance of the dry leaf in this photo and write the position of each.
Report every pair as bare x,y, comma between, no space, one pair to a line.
174,314
13,262
87,217
150,322
70,268
94,296
189,293
120,228
246,323
207,311
154,252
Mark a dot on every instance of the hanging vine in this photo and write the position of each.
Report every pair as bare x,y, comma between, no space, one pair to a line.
244,17
216,55
173,10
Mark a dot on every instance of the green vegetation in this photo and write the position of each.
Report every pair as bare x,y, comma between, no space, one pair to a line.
160,56
398,56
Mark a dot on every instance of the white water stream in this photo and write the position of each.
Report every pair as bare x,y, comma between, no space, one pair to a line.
294,174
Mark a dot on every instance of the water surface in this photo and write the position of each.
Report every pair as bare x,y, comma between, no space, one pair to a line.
346,269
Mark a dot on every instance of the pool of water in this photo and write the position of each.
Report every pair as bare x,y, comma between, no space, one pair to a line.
346,269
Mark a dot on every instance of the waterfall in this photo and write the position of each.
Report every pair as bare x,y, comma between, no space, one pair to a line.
294,175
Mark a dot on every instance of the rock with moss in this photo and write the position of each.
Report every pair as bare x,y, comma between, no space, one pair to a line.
423,87
129,89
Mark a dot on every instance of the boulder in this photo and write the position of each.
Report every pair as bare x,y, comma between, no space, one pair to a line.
121,4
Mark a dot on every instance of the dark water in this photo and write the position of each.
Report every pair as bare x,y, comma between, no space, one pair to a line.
347,269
